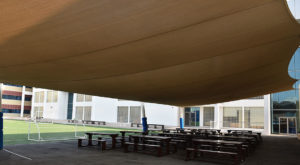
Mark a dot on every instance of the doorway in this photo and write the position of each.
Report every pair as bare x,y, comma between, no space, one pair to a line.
192,116
287,125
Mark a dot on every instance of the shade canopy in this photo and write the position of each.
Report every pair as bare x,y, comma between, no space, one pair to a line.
162,51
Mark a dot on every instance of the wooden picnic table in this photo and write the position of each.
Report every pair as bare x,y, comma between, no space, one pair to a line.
237,138
215,143
112,135
161,139
123,133
256,135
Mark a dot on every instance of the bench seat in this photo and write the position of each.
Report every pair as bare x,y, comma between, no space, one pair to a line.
144,146
236,157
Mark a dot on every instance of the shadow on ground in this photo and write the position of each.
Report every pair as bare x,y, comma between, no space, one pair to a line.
274,150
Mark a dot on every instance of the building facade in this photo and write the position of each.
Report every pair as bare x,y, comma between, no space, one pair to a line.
16,100
285,117
49,104
242,114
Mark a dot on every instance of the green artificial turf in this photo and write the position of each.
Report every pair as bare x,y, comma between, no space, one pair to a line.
16,131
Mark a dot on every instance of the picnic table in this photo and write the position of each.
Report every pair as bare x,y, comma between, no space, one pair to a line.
215,142
237,153
123,133
161,139
237,138
256,135
91,134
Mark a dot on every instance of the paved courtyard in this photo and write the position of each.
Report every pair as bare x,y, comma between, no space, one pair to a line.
274,150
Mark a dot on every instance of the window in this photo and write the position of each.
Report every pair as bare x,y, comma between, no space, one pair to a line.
254,117
129,114
192,116
208,116
83,113
52,96
82,98
79,113
49,96
122,114
88,98
232,117
135,114
39,97
38,112
87,113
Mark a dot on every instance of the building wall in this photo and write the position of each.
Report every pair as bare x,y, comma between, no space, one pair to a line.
106,109
217,120
16,100
51,110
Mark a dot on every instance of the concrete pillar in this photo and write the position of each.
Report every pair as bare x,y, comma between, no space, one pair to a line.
267,115
22,101
243,117
217,116
32,103
201,118
181,119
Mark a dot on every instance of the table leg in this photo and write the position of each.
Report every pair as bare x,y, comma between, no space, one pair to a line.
90,141
168,146
136,141
113,138
123,139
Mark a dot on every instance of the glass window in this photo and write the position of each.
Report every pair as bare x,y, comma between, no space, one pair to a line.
52,96
36,97
55,96
192,116
83,98
135,114
87,113
88,98
38,112
79,113
285,100
122,114
254,117
41,96
208,116
49,96
232,117
80,98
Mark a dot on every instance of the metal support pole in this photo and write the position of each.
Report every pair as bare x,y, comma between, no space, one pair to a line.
181,120
1,119
1,130
144,119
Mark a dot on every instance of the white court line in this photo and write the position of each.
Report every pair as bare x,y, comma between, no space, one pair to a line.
17,154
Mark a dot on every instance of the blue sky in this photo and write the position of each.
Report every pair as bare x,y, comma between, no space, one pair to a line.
294,7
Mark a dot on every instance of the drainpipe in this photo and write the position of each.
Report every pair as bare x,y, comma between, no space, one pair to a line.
181,120
144,120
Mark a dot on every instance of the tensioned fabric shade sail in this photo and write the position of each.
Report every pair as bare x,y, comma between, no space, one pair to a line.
164,51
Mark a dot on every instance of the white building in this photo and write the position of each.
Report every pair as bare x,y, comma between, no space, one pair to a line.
253,113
